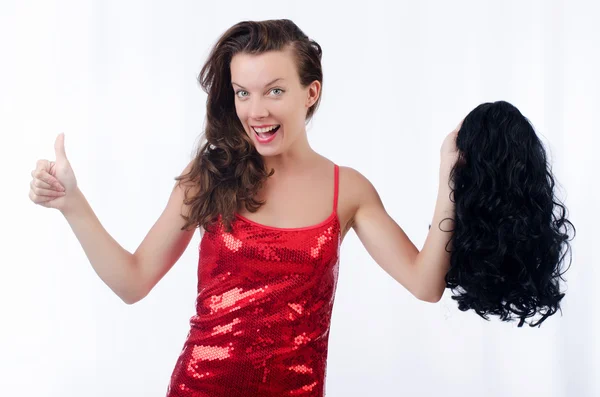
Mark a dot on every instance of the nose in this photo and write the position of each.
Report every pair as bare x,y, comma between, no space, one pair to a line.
257,109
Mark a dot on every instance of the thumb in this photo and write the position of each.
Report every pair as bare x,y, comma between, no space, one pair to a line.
59,147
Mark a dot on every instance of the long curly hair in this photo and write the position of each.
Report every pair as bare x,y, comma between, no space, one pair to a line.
510,233
227,170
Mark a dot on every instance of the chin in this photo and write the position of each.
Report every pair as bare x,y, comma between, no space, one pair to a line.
268,152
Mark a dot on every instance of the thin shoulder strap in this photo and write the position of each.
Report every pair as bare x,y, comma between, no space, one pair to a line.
336,188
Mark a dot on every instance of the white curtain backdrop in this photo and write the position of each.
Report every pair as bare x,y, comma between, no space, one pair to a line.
119,79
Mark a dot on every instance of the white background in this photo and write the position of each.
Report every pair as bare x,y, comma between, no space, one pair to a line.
119,78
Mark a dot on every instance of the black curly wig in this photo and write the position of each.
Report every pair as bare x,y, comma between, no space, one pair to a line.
508,241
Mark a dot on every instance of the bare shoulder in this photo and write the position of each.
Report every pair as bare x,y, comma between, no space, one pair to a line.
356,191
187,183
186,188
357,185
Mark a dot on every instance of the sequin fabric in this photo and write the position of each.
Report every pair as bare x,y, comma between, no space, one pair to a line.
263,311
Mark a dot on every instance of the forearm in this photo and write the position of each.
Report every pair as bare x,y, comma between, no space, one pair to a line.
113,264
433,261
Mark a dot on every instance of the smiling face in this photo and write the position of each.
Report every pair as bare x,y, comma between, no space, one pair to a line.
270,100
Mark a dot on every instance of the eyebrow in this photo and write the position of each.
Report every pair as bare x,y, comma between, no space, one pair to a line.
280,78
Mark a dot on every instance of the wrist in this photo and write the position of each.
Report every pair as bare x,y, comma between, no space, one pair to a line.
74,203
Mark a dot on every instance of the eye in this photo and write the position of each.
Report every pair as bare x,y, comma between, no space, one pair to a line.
278,89
238,93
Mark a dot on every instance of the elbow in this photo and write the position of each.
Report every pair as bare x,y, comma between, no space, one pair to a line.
429,296
430,292
132,297
432,298
134,291
129,301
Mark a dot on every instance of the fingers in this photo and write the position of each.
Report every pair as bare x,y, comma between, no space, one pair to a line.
42,200
41,184
59,147
48,180
44,191
457,128
44,187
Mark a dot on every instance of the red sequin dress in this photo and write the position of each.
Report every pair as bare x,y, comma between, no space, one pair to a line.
263,311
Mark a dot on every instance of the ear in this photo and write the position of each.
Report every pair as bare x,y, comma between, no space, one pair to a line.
314,90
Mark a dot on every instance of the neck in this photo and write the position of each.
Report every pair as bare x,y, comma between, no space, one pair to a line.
299,156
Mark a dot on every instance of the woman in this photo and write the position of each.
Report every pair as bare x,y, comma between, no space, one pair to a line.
272,214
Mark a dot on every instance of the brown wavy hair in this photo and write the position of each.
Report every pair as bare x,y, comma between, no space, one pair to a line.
227,170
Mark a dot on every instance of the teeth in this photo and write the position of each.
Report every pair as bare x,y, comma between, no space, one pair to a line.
263,130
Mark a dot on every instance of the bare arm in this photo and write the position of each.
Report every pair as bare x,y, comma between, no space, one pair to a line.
421,273
433,261
131,276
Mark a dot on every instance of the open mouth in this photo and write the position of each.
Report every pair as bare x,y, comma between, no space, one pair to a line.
265,135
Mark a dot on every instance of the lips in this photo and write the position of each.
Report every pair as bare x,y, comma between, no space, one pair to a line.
267,135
